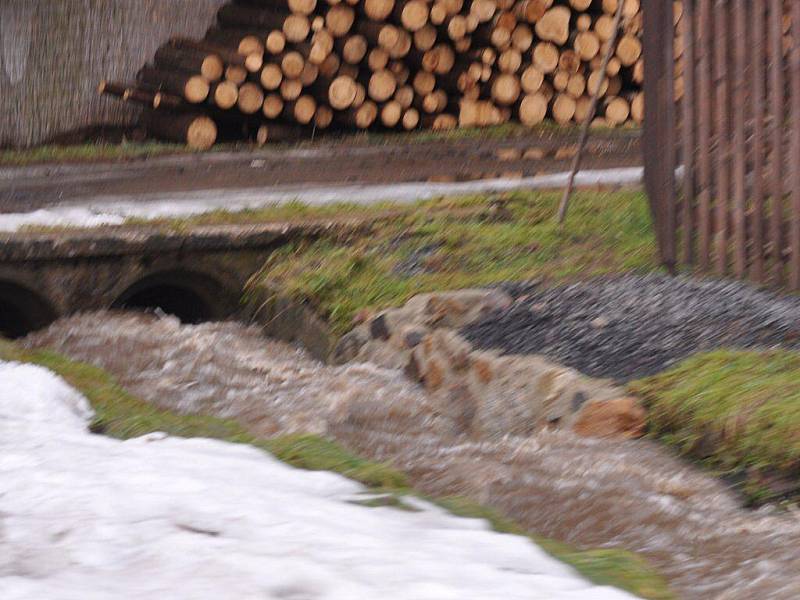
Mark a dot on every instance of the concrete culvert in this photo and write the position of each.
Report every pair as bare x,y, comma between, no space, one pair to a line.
22,310
192,297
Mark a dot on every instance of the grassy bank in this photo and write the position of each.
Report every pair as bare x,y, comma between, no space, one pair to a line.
89,152
120,415
736,411
467,242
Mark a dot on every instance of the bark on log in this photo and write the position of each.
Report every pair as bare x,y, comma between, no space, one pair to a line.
192,88
197,131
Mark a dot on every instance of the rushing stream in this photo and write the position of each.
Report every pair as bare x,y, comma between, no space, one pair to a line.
634,495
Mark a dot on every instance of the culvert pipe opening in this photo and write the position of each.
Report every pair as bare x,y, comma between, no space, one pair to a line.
191,297
22,311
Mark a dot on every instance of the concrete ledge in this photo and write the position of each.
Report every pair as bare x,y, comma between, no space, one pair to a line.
126,241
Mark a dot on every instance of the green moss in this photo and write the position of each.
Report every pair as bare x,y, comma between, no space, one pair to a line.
121,415
737,411
458,243
317,454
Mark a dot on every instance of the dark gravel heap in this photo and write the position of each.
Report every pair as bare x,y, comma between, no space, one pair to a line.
631,326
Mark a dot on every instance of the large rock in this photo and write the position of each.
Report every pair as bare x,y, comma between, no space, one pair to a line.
622,417
404,328
481,393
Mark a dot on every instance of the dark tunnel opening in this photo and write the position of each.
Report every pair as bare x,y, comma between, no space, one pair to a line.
173,300
22,311
191,297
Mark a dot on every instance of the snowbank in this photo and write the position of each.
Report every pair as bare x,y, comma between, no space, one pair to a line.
86,517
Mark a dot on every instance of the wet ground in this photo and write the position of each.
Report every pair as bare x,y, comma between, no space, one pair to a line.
634,495
33,188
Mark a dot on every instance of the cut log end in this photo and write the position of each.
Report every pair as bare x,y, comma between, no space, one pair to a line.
201,134
342,92
196,89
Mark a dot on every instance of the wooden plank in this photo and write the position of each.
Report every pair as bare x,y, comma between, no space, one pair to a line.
776,137
739,147
758,93
658,85
794,119
687,133
704,121
721,37
669,143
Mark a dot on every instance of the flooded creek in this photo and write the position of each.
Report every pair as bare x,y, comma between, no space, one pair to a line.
592,493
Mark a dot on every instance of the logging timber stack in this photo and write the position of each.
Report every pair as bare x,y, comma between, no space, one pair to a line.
273,70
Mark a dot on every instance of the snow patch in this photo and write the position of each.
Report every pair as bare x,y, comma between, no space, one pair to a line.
114,210
88,517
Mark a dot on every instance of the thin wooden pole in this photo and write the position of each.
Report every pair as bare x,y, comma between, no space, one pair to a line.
576,162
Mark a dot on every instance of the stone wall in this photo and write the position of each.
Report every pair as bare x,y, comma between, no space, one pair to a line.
53,53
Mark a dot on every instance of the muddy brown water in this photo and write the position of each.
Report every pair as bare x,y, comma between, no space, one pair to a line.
593,493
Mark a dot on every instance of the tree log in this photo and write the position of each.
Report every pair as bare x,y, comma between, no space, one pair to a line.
563,109
545,57
412,14
382,85
195,130
410,119
301,110
378,10
339,20
273,106
553,26
391,113
192,88
224,95
532,109
271,77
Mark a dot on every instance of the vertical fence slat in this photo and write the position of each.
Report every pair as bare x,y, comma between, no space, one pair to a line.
721,37
794,119
670,146
776,118
739,147
687,130
704,28
757,72
659,134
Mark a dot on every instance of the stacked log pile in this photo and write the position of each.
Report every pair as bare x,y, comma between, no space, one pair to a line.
276,69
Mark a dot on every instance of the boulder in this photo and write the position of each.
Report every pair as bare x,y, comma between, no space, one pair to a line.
622,417
458,308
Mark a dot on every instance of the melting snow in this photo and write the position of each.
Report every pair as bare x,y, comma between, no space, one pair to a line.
85,517
114,210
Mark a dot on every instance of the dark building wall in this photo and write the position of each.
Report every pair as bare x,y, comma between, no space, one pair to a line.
53,53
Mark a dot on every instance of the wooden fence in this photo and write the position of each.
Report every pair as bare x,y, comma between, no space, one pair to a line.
722,139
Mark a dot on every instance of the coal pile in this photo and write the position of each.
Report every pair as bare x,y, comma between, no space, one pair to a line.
631,326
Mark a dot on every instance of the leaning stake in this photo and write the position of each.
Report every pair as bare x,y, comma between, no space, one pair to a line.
576,162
